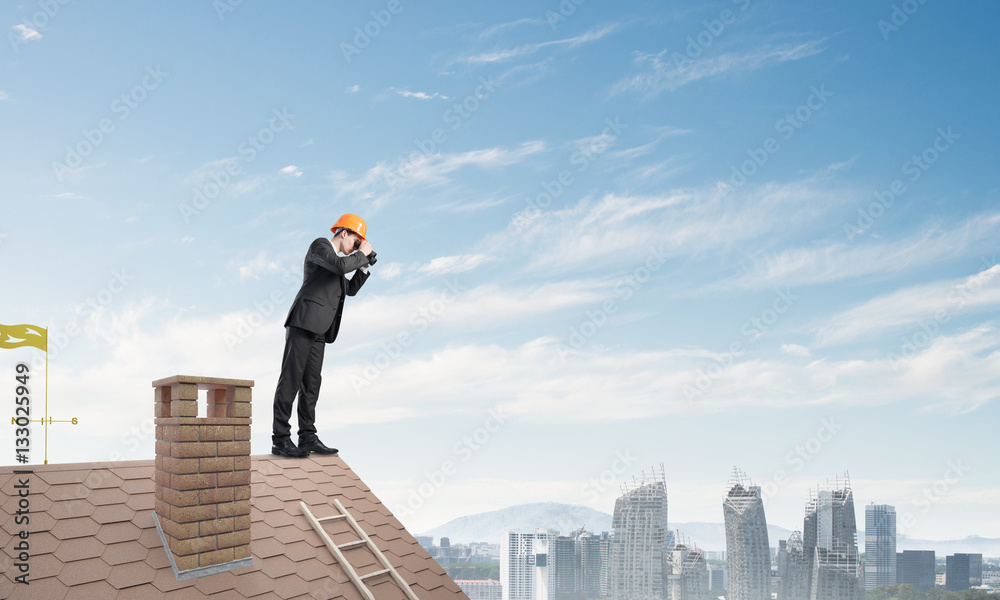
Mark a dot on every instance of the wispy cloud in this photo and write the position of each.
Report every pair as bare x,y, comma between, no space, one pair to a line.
417,95
665,71
936,302
354,89
629,154
380,183
291,171
495,29
3,95
447,265
836,261
26,33
687,221
261,264
497,56
537,380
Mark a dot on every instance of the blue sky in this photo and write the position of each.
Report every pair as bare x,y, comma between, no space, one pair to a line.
609,235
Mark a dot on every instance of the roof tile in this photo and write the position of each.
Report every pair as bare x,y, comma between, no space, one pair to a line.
259,531
385,588
43,542
290,586
66,509
66,529
102,478
165,581
130,574
304,485
219,582
124,552
84,571
50,589
150,539
268,504
67,491
299,551
46,565
254,583
312,569
278,566
138,472
288,534
118,532
157,558
117,546
138,592
113,513
296,473
57,476
141,501
107,496
79,549
286,494
267,548
138,486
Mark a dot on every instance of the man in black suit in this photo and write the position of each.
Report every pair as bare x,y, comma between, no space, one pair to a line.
313,321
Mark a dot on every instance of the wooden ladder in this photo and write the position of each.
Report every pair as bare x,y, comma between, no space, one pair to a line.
335,549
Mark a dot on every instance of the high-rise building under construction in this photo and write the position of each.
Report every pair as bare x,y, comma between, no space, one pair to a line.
640,544
830,543
748,556
793,570
687,574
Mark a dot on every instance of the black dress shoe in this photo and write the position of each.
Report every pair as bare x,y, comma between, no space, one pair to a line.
316,446
287,448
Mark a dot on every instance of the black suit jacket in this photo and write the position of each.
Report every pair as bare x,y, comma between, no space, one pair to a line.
320,302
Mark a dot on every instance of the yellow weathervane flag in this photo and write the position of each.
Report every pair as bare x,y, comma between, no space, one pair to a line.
18,336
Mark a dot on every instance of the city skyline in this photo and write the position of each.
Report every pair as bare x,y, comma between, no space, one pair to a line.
609,235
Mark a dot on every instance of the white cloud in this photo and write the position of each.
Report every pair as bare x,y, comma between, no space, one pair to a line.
533,381
829,262
26,33
418,95
390,271
677,222
253,268
3,95
494,29
526,49
291,171
354,89
461,308
384,180
668,71
934,303
446,265
796,350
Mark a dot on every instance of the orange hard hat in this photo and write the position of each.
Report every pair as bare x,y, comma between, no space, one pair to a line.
352,222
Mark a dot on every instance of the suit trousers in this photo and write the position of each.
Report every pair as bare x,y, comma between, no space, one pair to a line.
301,373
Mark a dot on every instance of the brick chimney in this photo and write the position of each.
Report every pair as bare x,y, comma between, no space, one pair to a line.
202,474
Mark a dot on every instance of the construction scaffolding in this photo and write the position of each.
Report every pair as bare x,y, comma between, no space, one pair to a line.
830,542
687,574
748,555
640,544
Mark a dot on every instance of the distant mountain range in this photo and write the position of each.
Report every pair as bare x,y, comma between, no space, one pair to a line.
490,527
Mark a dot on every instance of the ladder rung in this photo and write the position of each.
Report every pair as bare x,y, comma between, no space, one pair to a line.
351,544
375,574
333,517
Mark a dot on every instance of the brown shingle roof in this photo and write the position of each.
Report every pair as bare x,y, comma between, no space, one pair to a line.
93,536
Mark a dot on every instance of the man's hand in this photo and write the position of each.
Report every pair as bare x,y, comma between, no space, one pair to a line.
365,248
